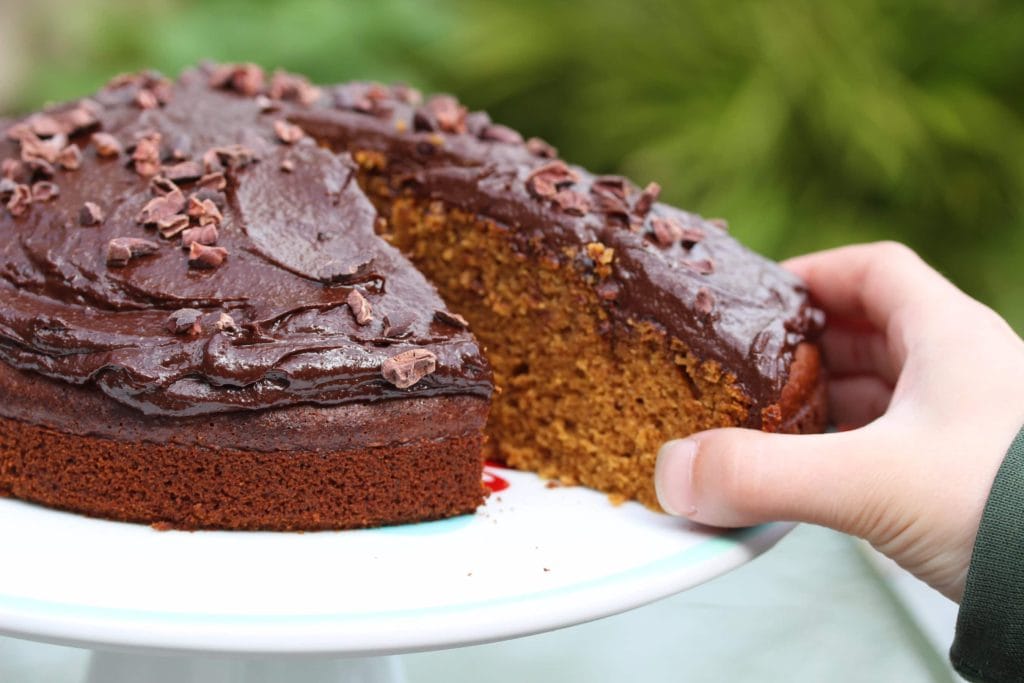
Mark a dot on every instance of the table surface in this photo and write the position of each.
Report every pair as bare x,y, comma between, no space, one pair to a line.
812,609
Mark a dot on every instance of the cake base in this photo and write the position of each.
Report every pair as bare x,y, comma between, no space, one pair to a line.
298,468
203,488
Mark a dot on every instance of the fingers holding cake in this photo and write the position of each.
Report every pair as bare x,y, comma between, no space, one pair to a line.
741,477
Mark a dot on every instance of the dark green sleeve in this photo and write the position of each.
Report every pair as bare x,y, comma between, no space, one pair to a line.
989,643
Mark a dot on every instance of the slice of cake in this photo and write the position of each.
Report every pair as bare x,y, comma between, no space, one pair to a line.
206,320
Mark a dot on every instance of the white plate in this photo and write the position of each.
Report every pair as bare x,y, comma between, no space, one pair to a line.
533,559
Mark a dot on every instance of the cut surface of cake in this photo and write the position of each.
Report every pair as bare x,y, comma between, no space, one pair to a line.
218,309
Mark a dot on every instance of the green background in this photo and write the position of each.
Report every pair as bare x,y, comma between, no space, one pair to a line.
806,123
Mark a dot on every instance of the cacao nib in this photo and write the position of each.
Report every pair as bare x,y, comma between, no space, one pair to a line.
121,250
409,367
90,214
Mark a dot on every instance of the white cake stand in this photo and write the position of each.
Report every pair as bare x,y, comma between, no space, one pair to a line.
332,606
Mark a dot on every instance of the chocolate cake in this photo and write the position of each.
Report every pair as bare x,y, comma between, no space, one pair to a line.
218,309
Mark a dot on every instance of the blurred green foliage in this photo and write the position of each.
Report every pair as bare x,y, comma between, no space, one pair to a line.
808,124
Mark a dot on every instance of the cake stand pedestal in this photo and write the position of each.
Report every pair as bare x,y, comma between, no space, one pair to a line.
119,667
333,606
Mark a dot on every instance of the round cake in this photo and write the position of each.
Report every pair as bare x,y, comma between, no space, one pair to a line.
240,301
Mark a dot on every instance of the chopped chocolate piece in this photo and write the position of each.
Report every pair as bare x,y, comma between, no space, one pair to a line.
691,235
162,185
20,200
705,301
204,210
360,307
18,131
407,94
646,200
90,214
231,156
185,321
540,148
195,207
206,235
184,171
202,256
246,79
719,223
70,158
667,230
106,145
452,319
120,250
163,207
151,81
172,225
703,266
38,168
572,202
162,90
409,367
145,99
610,204
266,104
44,125
545,181
212,162
476,122
138,79
376,100
449,115
365,98
287,86
122,80
213,181
180,147
12,169
44,191
36,149
499,133
215,196
614,185
7,188
146,156
225,323
80,117
287,165
398,325
220,76
288,133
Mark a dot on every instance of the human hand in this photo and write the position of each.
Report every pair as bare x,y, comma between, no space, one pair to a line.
930,384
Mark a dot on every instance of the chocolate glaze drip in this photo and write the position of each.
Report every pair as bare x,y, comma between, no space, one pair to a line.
299,238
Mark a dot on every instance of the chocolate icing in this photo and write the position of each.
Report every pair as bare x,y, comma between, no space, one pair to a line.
299,234
727,303
298,244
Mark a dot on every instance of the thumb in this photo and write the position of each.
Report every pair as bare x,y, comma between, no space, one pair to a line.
739,477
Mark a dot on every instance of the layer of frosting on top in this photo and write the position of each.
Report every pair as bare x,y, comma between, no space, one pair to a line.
187,251
284,294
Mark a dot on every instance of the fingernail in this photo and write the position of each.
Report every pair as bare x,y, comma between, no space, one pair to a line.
673,477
